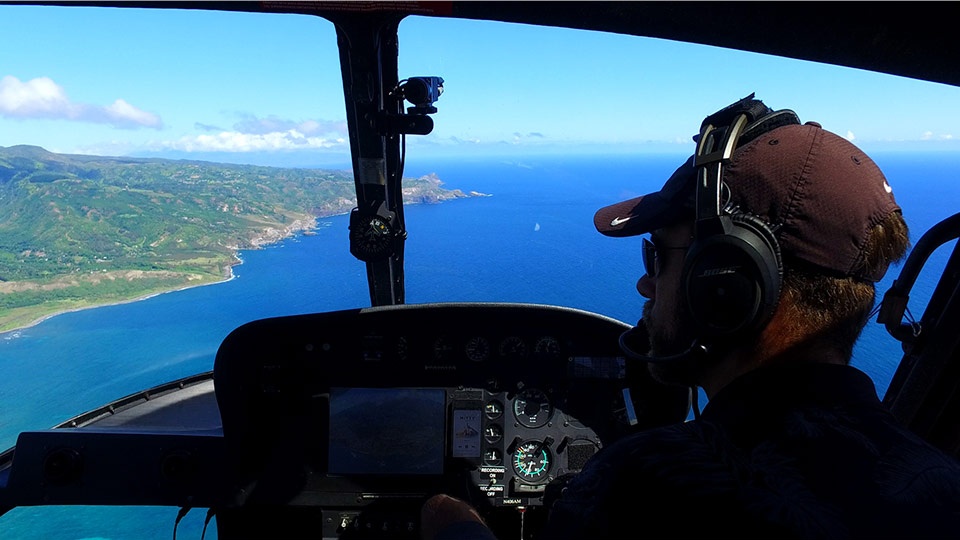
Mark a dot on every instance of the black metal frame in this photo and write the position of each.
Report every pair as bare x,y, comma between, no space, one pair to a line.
368,62
924,393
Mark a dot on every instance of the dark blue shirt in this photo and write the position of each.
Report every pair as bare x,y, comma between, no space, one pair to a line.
798,451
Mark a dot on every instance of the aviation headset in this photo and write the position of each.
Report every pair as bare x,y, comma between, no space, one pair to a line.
732,273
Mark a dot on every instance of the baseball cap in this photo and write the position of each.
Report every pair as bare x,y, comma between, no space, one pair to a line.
818,191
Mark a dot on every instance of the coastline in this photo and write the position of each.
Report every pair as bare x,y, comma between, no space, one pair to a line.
265,238
268,238
228,277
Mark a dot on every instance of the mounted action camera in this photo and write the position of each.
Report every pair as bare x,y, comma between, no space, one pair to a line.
422,92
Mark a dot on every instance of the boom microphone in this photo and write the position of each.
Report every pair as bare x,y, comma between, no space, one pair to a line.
637,338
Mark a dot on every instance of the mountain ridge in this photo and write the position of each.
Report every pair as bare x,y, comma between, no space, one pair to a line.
149,224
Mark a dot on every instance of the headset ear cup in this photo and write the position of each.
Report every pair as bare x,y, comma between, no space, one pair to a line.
732,280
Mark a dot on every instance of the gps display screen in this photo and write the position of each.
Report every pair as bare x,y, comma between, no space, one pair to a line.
386,431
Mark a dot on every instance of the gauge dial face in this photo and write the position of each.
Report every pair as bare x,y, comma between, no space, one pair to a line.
442,349
513,347
532,408
478,349
493,409
547,347
493,433
372,239
493,457
531,461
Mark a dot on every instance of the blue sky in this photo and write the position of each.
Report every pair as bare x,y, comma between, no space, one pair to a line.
266,88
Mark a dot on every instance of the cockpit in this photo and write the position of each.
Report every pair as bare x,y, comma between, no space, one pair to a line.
346,421
293,417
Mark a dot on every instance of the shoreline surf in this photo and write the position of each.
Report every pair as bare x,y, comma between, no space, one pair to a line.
229,276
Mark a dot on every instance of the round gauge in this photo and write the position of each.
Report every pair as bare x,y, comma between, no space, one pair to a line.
492,457
493,410
547,347
531,461
493,433
513,347
478,349
442,349
532,408
371,237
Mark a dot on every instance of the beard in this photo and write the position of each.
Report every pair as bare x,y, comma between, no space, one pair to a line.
668,338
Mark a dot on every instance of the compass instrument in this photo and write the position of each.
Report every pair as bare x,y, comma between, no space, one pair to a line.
373,236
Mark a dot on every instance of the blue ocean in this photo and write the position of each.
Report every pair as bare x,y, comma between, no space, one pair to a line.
532,240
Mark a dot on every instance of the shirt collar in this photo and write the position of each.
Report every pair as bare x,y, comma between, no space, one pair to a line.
770,389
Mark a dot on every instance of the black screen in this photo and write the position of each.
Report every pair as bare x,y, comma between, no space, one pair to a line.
386,431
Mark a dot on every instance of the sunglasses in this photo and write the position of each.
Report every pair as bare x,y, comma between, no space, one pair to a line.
651,261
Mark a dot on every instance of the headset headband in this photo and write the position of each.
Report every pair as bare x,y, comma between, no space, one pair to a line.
714,149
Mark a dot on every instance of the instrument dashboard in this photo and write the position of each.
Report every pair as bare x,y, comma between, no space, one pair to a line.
346,422
488,402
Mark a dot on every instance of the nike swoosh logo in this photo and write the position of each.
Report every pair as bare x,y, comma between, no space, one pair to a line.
618,221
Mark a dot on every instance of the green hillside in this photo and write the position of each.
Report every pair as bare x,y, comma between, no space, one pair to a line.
79,230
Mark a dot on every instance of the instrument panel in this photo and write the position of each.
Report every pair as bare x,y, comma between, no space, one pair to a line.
512,444
488,402
346,422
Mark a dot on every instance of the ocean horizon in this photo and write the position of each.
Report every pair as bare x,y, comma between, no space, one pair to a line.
531,241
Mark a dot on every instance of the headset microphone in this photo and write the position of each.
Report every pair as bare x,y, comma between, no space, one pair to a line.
637,338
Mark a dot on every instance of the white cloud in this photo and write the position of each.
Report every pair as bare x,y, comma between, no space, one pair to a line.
271,124
43,98
931,136
37,97
533,136
122,112
850,136
234,141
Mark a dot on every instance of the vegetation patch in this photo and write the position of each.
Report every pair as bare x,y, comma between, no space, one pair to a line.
68,221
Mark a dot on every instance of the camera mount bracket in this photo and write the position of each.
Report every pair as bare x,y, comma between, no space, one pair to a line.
404,124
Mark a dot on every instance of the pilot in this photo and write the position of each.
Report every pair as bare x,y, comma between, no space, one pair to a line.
759,274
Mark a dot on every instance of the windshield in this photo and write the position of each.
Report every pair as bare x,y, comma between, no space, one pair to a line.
235,175
561,122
